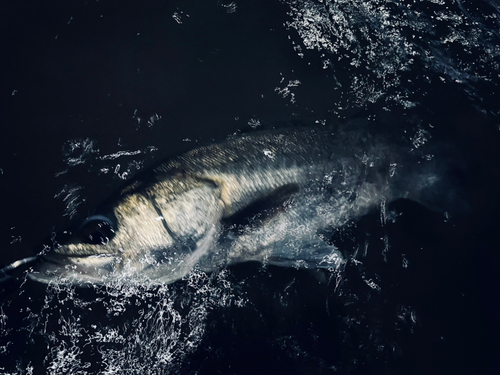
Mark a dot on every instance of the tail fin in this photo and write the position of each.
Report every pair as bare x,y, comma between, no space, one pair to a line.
438,179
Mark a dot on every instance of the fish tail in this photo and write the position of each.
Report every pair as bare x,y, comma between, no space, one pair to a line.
439,180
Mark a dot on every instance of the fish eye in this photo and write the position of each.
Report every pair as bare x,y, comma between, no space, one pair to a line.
97,230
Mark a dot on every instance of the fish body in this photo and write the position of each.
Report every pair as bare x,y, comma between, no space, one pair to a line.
258,197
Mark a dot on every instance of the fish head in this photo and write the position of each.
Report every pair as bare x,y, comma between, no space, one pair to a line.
154,234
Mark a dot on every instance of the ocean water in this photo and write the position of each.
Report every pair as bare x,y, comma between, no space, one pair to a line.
93,92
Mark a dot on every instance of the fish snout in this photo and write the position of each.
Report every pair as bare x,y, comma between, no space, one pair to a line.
54,267
55,258
13,270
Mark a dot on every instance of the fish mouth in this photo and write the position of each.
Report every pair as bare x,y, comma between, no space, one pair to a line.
81,270
10,271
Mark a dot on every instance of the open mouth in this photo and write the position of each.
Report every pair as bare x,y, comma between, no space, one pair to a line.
54,267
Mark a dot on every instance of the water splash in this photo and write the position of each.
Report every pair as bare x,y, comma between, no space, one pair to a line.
374,44
121,327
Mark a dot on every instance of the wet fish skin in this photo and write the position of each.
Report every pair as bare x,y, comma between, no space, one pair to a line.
189,213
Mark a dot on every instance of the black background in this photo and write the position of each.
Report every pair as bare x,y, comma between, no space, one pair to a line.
89,69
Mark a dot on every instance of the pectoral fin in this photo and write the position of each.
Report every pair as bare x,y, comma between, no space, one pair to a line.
262,209
311,254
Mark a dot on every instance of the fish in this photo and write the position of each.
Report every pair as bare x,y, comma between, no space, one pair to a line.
263,196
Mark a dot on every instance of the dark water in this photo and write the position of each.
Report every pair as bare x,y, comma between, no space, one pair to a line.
94,91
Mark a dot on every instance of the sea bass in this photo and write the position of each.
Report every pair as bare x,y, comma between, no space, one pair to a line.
262,197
